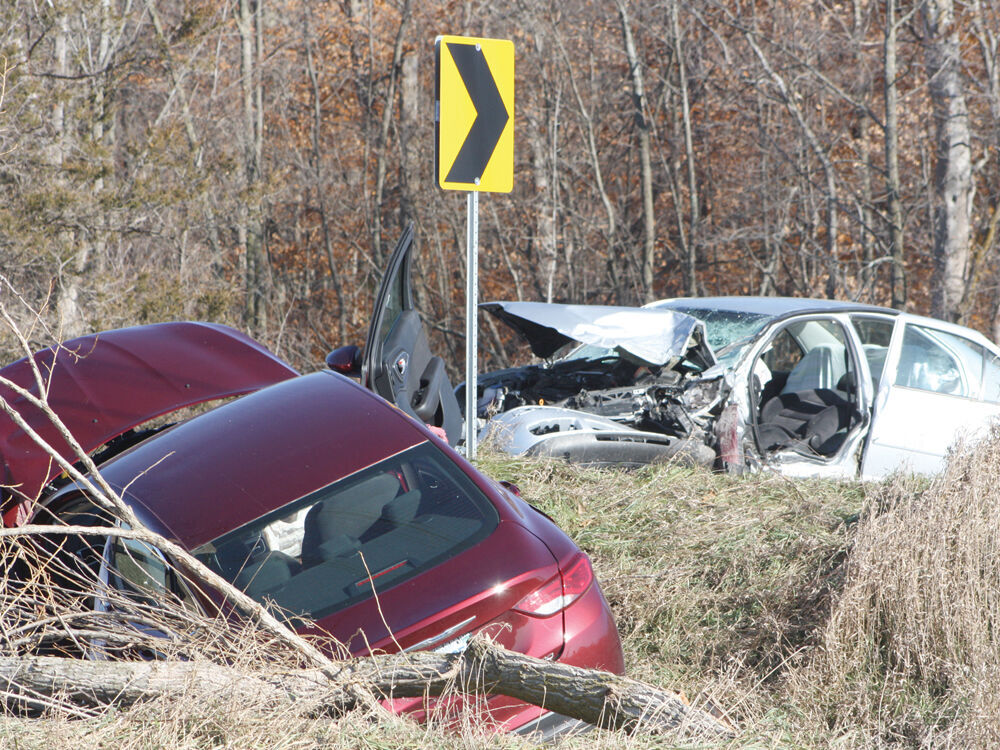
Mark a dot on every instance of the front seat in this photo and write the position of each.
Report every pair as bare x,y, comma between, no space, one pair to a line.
334,527
822,367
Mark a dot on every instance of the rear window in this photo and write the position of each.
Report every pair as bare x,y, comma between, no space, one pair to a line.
380,527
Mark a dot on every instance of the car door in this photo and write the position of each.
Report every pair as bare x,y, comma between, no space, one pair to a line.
398,364
810,413
931,393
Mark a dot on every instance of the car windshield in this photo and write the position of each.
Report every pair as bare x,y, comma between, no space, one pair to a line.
587,352
378,527
725,327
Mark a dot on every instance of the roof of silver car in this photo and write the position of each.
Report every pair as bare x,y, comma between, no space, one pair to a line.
776,306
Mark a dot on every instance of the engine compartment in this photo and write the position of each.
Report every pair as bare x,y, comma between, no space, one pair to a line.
679,403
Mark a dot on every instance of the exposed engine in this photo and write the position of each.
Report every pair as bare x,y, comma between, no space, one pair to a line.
653,400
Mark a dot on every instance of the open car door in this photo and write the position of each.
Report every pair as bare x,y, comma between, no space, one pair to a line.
398,364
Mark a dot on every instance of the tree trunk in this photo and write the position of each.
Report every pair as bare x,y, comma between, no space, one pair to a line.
251,234
646,293
898,285
68,307
595,697
382,146
691,256
319,185
953,159
544,172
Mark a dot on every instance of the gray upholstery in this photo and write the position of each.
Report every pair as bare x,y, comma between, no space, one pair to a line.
817,419
822,367
259,577
345,517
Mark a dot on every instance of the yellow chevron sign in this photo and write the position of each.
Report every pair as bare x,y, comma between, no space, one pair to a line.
475,114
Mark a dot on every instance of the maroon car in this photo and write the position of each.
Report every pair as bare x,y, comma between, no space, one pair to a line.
314,495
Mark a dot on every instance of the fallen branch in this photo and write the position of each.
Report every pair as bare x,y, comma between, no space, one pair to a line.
595,697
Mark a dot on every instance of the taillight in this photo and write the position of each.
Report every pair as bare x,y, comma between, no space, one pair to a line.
559,591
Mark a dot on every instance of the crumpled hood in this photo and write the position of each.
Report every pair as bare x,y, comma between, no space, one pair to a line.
652,337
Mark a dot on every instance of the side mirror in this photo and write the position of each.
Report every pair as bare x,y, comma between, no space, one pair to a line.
511,487
346,360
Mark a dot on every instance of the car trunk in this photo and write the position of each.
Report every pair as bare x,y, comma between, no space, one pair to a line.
473,592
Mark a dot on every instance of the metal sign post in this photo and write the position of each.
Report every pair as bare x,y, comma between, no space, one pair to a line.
471,322
474,144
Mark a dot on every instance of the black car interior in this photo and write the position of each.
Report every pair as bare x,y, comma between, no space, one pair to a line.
810,402
388,524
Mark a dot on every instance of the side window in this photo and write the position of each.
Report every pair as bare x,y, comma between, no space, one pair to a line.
783,354
940,362
141,572
393,307
75,560
875,334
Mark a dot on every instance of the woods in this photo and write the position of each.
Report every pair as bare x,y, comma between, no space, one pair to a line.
251,161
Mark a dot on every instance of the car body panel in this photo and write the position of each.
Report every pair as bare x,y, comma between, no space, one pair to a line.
105,384
652,337
915,427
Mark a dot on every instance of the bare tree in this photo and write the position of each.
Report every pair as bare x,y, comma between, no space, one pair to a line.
249,21
895,205
953,158
690,242
643,128
831,200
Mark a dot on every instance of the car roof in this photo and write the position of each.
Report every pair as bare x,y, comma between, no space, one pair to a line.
229,466
106,383
776,306
781,307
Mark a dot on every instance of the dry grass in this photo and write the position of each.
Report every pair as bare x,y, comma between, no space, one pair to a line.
720,585
912,650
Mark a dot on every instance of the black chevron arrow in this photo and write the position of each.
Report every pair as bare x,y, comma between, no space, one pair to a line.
491,114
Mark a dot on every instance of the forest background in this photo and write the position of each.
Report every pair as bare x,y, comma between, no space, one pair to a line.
252,161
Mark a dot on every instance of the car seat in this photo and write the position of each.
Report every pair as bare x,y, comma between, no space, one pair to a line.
822,367
334,527
817,418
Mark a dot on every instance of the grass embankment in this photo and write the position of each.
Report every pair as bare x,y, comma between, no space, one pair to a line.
816,613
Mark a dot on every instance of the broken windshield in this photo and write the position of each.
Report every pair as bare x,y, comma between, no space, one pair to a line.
724,327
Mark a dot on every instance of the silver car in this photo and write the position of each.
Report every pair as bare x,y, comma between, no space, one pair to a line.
809,387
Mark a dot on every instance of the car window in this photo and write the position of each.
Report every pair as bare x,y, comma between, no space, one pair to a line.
783,353
724,327
932,360
77,559
141,572
875,334
393,307
991,379
381,526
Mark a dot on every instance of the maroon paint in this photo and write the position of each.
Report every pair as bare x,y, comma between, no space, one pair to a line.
250,456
